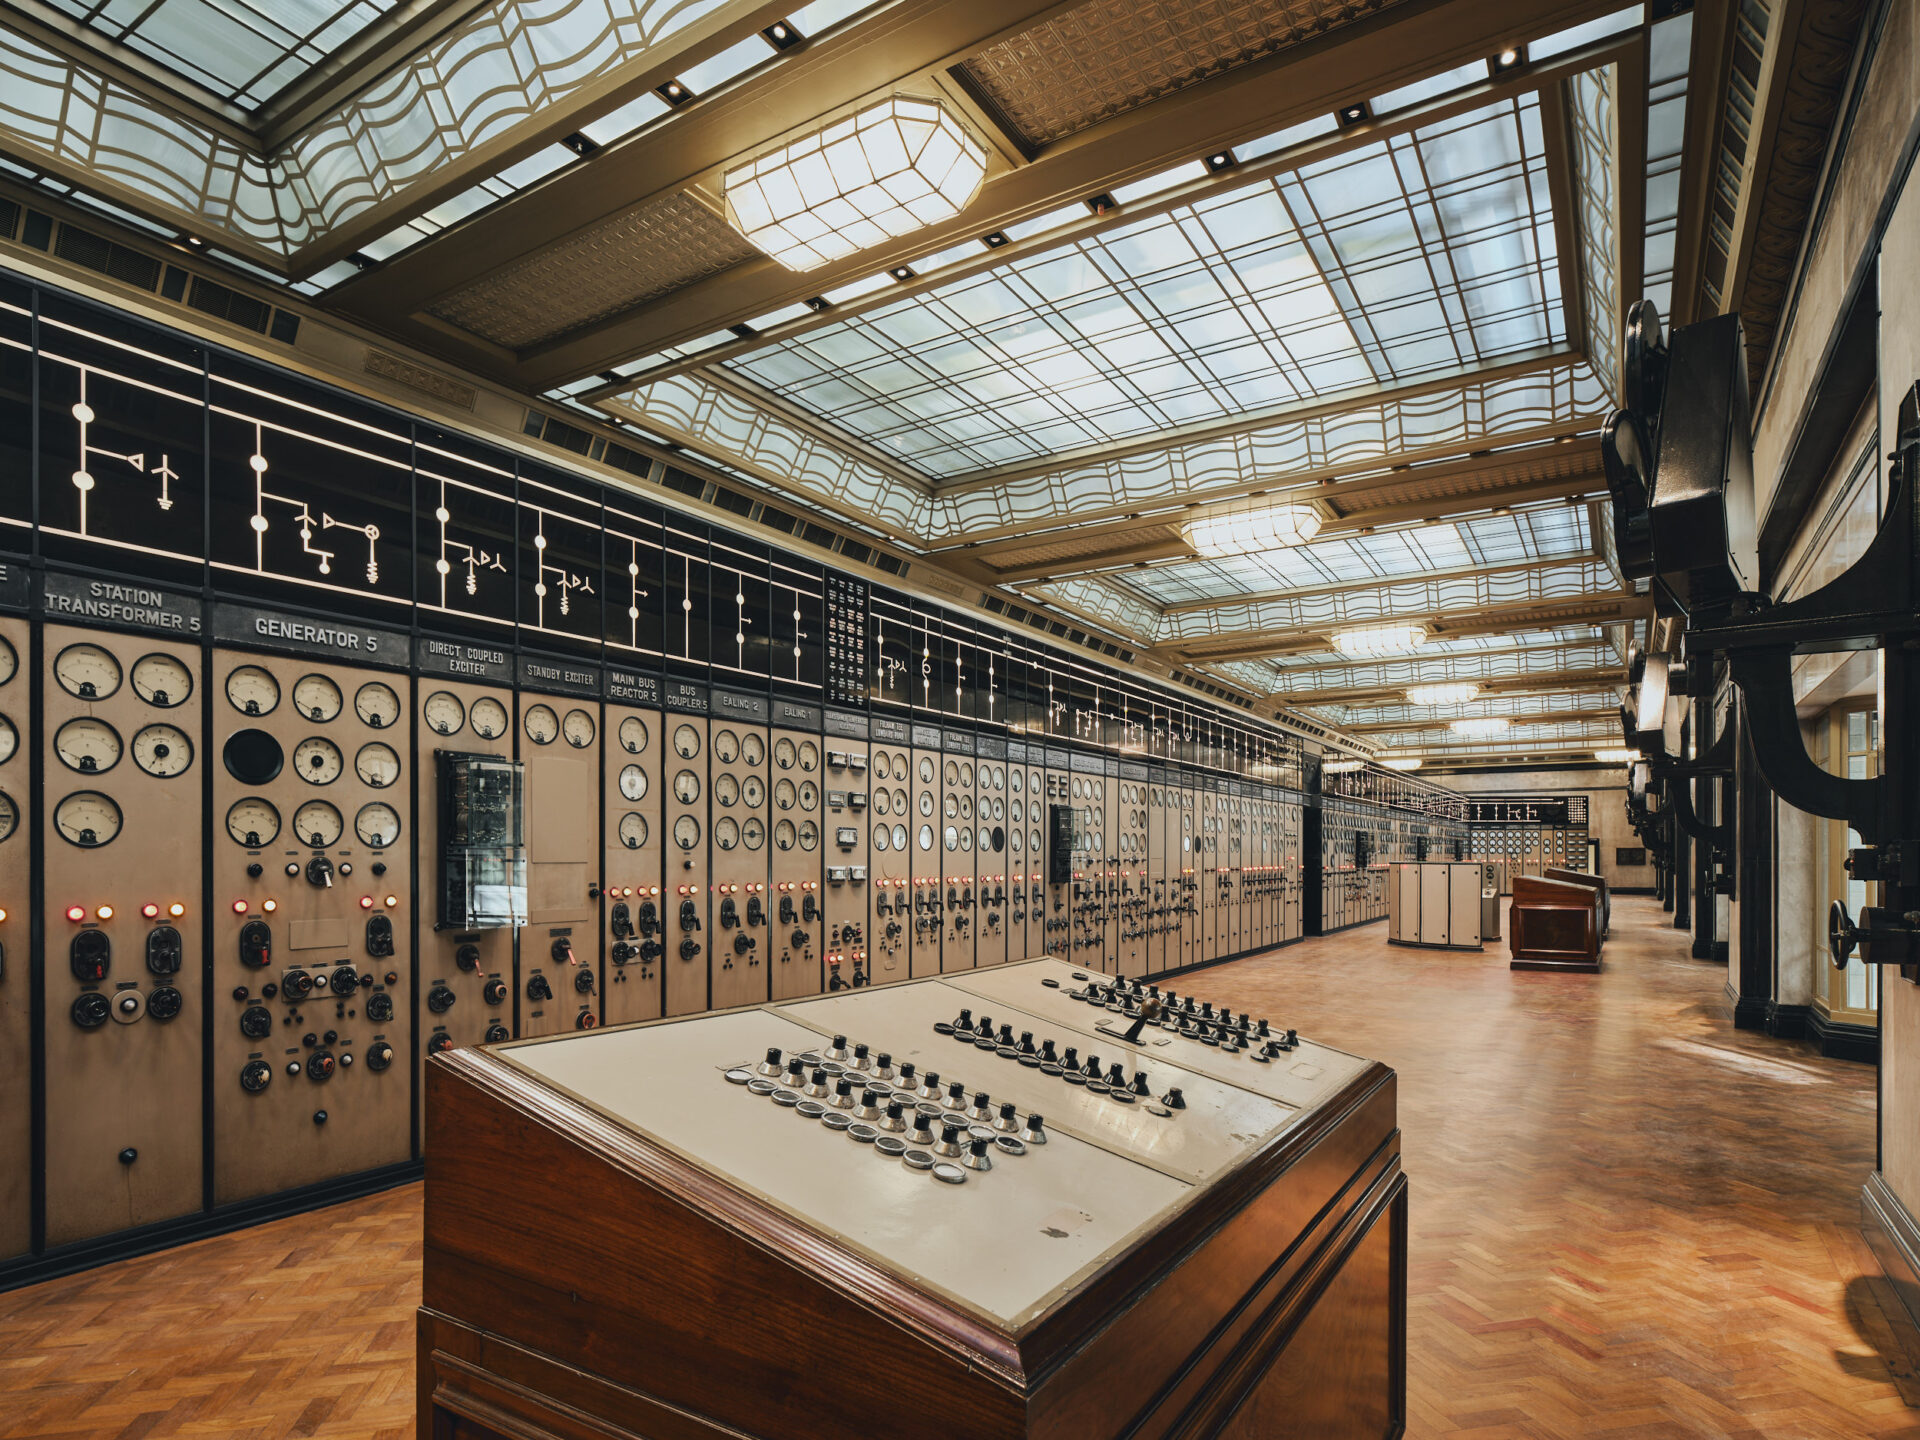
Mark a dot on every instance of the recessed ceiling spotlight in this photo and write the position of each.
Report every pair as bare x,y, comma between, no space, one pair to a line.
675,93
1221,160
817,303
1358,113
361,260
783,34
901,272
743,330
581,145
1511,58
194,242
1101,204
995,240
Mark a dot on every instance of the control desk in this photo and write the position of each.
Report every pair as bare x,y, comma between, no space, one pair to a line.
1058,1203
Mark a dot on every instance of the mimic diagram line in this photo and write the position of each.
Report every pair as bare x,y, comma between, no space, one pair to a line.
303,513
83,479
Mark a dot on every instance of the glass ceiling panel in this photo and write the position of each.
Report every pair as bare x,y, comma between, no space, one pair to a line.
245,50
1554,533
1427,252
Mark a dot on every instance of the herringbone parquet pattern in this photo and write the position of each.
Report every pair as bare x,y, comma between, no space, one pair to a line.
1629,1221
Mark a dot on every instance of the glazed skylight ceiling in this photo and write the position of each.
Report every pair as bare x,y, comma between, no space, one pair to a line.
1426,253
246,51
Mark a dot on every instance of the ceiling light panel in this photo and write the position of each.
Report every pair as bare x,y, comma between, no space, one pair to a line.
1455,693
1371,640
1249,530
1424,253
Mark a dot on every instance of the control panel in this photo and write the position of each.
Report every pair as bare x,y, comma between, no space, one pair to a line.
312,927
560,748
799,925
848,865
634,849
929,853
1133,873
960,907
990,862
1026,839
685,888
16,875
890,923
742,935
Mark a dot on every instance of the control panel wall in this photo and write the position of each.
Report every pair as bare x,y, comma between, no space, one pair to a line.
1026,835
798,922
16,875
990,862
847,849
121,732
960,908
890,877
687,880
560,944
311,926
1136,889
741,943
929,852
632,856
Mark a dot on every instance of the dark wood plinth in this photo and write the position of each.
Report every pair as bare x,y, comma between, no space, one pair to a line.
1557,924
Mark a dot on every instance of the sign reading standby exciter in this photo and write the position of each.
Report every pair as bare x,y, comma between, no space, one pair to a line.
294,634
114,603
559,677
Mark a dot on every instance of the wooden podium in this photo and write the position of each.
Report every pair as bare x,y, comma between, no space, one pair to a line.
635,1234
1558,924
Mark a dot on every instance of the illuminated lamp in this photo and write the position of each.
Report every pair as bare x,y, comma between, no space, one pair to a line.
1479,729
1455,694
1372,640
1402,762
1248,532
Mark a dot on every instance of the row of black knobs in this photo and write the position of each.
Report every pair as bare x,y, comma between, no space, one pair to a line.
815,1084
1115,1075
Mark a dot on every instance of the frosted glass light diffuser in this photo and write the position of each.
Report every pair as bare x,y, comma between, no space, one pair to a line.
884,172
1373,640
1402,762
1479,729
1455,694
1248,532
1616,757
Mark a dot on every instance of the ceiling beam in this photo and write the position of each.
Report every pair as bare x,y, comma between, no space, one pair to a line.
1543,717
1362,587
1489,686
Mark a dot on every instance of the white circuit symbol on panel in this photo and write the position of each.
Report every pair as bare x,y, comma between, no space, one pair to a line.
257,462
635,594
888,668
83,480
474,557
568,581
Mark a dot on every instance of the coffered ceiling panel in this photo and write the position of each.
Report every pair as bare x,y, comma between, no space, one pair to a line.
1112,56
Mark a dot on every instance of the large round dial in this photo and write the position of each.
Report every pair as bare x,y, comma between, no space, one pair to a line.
753,750
926,837
926,770
783,794
161,680
9,739
87,818
809,834
579,729
785,755
87,671
1014,836
90,746
726,789
317,697
444,713
9,660
900,802
783,835
809,795
726,832
880,834
377,765
542,725
726,746
162,750
253,691
926,802
376,705
377,825
1016,782
318,824
686,741
317,761
633,782
950,807
686,832
809,755
633,830
900,838
488,718
952,838
9,816
753,790
633,735
882,804
252,822
966,776
952,773
753,833
686,787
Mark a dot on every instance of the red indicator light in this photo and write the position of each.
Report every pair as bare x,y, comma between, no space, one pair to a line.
239,907
149,910
76,913
366,902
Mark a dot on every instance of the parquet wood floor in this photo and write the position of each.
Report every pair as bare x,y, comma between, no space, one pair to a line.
1629,1221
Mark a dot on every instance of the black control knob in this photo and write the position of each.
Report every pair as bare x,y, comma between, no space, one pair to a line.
583,981
756,913
440,1043
1138,1085
729,914
255,1076
562,950
651,950
380,1007
1175,1100
585,1020
256,945
494,992
649,917
742,943
1117,1075
320,872
344,981
538,989
786,910
801,939
379,936
689,915
620,920
809,910
256,1022
689,949
379,1055
964,1020
496,1032
164,951
296,984
90,953
321,1065
440,999
620,952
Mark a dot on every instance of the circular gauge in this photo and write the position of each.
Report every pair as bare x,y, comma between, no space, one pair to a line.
966,777
157,679
926,770
9,816
633,782
900,838
753,833
317,761
726,832
726,789
1015,804
950,806
900,802
377,825
952,837
966,838
952,773
754,792
784,754
966,807
1016,782
726,746
809,834
444,713
90,746
541,724
1076,787
633,829
91,673
376,705
686,787
999,808
809,755
252,691
686,741
880,765
317,824
252,822
686,832
377,765
162,750
926,837
926,802
880,837
753,750
317,697
633,735
1014,837
87,818
9,739
579,729
999,778
9,660
488,718
783,835
809,795
1033,841
881,804
783,794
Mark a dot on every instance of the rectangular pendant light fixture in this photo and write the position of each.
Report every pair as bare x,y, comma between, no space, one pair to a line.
1248,532
1373,640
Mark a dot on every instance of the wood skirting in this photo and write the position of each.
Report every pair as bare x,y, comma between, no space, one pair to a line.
1894,1237
1842,1040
